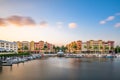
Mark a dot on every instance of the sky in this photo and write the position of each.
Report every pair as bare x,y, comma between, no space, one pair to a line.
60,21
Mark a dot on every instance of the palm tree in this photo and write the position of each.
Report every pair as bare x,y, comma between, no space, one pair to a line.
95,48
112,49
101,47
117,49
45,47
106,48
54,48
90,47
57,48
74,47
85,46
25,48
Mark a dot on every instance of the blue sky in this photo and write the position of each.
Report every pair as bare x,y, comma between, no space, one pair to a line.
62,21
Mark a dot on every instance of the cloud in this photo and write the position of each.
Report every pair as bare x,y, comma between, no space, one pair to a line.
20,20
28,21
43,24
72,25
110,18
15,20
102,22
117,25
2,22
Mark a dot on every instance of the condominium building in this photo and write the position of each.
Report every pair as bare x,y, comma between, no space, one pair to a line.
91,46
32,44
100,46
23,46
84,47
74,46
8,46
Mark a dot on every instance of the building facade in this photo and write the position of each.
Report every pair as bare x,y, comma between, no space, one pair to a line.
100,46
74,46
8,46
91,46
34,47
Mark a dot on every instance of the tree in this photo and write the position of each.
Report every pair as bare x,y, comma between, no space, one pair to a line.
85,47
25,48
63,48
57,48
74,46
54,48
45,47
101,47
106,48
117,49
112,49
95,48
90,47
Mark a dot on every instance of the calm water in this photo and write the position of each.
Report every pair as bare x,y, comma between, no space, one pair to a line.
54,68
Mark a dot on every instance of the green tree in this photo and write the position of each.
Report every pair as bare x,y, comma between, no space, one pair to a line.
90,47
54,48
74,46
63,48
45,48
95,48
25,48
117,49
85,46
57,48
101,47
107,49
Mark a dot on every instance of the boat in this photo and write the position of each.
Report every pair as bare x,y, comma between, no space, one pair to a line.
109,56
60,54
6,63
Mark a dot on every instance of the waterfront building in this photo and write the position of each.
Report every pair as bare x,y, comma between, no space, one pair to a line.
49,47
100,46
32,46
23,46
74,46
8,46
19,44
91,46
84,47
79,45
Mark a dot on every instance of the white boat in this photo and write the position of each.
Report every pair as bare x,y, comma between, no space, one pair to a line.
60,54
109,56
6,63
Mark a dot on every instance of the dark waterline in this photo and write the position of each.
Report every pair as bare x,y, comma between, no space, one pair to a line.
55,68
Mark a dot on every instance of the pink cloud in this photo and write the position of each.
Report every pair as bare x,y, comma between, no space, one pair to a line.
43,24
110,18
72,25
2,22
102,22
117,25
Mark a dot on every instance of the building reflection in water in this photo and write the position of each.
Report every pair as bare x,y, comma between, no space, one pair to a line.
0,69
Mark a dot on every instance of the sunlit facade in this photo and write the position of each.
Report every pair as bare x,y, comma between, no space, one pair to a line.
8,46
91,46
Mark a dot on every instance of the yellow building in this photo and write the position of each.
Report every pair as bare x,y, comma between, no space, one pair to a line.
19,44
32,46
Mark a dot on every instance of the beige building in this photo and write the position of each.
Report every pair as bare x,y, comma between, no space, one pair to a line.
8,46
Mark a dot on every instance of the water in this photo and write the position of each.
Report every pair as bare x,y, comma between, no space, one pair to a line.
54,68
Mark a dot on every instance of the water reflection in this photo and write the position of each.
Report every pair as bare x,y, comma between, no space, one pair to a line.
63,69
0,69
